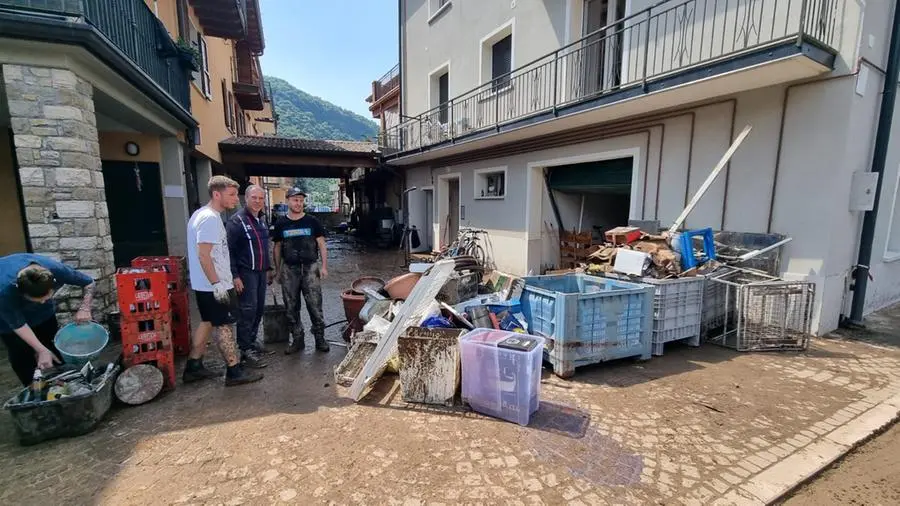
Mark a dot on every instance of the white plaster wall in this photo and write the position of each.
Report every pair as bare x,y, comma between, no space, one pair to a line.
884,287
540,28
820,150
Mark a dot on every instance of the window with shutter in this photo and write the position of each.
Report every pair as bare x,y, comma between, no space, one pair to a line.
205,81
501,62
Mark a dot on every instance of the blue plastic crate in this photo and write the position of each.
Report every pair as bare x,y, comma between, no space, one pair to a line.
588,319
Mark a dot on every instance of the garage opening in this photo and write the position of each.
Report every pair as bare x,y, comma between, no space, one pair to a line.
593,196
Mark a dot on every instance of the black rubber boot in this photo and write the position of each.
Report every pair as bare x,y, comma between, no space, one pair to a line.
322,345
296,346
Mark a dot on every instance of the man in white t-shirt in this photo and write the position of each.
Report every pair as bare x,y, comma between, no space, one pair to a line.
211,280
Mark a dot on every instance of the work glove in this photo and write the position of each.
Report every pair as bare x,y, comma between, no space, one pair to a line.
220,292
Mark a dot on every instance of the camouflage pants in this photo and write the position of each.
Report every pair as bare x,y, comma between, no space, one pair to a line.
305,280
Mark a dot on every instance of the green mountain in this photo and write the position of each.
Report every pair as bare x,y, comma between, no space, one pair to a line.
304,116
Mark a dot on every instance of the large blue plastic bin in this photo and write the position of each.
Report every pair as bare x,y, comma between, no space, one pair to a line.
588,319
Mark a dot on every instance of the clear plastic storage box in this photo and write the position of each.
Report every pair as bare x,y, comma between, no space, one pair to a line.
501,373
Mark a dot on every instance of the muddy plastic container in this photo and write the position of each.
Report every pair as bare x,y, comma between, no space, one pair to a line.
70,416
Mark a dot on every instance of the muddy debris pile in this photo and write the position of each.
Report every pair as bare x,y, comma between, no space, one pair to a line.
417,325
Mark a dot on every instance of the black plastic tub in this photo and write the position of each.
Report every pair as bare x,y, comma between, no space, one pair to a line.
36,422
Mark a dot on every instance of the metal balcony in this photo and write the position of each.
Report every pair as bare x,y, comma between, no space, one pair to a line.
386,85
660,49
124,33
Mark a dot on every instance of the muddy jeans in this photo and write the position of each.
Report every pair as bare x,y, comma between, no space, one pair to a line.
304,279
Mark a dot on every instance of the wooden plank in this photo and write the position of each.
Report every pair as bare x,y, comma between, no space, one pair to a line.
709,180
411,312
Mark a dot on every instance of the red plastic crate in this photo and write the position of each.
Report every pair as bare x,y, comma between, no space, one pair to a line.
181,323
142,293
141,331
181,338
163,359
180,303
175,268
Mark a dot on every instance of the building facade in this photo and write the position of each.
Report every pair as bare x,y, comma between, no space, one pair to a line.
620,109
111,113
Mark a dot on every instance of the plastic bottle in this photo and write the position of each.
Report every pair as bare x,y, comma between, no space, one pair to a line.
37,385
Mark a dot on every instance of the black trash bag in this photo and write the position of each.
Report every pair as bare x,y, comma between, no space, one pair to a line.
414,239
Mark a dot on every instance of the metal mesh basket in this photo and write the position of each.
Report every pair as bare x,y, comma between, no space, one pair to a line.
763,313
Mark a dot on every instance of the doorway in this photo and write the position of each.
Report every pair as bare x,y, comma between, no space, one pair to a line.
602,53
136,217
448,214
428,239
593,196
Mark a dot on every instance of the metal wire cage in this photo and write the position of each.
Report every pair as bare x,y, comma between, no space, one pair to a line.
762,313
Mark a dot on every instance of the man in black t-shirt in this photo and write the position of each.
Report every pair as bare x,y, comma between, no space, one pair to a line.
299,244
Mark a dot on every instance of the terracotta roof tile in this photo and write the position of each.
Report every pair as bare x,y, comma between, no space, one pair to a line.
284,143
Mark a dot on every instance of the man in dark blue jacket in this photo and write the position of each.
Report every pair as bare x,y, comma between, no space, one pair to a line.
28,312
248,245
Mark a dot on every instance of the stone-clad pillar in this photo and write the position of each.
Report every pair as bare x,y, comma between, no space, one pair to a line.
55,136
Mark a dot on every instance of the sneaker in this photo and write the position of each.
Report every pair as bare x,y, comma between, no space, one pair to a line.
262,350
196,371
296,346
252,359
237,375
322,345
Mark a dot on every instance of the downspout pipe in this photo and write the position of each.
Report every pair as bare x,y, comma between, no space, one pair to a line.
879,158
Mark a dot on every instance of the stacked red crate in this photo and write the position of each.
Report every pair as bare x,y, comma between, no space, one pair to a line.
176,278
146,320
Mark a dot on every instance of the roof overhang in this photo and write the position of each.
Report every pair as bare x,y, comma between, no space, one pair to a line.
226,19
284,157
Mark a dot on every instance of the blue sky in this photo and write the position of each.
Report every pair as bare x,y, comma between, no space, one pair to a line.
332,49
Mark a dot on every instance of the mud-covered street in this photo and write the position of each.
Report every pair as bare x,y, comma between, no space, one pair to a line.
697,425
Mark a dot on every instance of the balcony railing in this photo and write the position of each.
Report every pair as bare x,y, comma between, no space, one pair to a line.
132,28
388,83
657,42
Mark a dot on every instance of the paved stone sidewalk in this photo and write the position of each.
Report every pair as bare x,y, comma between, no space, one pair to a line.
695,426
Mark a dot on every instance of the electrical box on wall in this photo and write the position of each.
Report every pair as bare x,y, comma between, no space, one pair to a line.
862,191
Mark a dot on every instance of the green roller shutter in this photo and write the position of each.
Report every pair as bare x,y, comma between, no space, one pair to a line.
607,176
